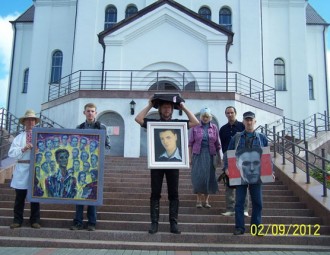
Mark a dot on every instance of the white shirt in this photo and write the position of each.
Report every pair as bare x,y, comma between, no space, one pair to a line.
20,178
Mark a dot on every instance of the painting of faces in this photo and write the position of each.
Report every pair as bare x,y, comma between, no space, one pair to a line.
66,165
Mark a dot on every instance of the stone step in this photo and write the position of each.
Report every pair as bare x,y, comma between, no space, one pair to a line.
160,241
123,220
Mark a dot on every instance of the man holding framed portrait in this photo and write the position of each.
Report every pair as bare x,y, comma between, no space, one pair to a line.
165,103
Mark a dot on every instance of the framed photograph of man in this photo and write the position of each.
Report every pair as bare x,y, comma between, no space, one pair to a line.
66,166
250,166
167,145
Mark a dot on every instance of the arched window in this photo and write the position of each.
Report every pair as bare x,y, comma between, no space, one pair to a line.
25,80
225,18
279,74
110,16
311,87
205,12
56,73
130,10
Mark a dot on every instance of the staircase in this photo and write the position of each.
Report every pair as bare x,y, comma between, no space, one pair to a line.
123,220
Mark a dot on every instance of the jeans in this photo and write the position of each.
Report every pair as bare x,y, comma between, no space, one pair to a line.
91,215
230,200
19,208
256,199
172,179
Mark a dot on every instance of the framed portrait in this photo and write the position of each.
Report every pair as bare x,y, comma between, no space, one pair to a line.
66,166
250,166
167,145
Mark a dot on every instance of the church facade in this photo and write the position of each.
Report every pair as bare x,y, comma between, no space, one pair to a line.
271,51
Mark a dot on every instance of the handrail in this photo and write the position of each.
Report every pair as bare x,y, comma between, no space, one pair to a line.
300,155
10,127
142,80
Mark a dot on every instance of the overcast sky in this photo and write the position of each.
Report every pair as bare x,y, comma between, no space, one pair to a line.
11,9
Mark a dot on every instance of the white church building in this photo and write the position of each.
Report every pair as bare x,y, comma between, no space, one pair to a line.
267,56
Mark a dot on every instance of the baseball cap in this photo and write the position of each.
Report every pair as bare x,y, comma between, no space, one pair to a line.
249,115
204,111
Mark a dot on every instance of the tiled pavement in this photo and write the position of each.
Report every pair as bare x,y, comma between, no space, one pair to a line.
62,251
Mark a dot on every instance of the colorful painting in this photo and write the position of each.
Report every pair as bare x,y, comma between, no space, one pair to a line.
67,166
250,166
167,145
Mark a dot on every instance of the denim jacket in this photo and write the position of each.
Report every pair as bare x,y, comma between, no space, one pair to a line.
259,141
196,136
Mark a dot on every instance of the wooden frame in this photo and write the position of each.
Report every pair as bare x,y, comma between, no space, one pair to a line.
263,164
66,166
172,153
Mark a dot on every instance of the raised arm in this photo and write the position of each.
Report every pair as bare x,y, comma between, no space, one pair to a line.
140,117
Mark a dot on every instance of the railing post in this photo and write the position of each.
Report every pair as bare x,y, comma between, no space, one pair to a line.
278,143
293,151
236,82
307,163
304,130
283,147
284,122
183,76
325,175
131,82
274,139
250,87
263,92
325,121
315,126
157,81
79,82
105,80
266,129
210,77
299,130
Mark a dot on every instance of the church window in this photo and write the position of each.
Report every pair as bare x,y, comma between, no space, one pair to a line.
130,11
25,80
205,12
56,73
225,18
110,17
279,73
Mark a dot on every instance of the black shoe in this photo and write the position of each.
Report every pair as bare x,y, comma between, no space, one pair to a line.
91,227
174,228
76,227
154,228
238,232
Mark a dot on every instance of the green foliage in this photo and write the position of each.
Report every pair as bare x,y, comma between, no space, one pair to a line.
318,175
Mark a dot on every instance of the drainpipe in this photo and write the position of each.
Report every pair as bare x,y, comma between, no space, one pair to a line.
74,35
11,66
326,69
262,44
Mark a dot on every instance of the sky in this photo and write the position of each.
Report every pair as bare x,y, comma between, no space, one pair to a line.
11,9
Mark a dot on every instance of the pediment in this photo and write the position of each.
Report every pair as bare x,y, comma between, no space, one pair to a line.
164,17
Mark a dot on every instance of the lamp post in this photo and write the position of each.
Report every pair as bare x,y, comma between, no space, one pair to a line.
132,106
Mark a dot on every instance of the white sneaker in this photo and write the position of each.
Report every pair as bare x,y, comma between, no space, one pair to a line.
228,213
246,214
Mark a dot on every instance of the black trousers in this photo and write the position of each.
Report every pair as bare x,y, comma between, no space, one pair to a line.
172,179
19,208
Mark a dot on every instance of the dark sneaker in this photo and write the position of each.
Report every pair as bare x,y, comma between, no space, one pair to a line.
76,227
35,225
238,232
91,227
15,225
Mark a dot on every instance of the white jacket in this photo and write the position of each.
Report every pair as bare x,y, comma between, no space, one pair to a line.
20,178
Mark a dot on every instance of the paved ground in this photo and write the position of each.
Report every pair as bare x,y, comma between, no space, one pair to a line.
60,251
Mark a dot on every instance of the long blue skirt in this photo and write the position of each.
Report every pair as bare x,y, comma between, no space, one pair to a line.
203,173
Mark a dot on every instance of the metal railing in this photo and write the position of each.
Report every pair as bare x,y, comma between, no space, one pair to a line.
137,80
10,127
299,155
309,127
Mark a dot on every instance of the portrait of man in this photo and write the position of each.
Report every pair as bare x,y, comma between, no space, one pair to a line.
248,162
74,141
169,142
83,143
64,140
75,153
41,146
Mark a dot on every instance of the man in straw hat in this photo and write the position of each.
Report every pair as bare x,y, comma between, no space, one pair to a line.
20,150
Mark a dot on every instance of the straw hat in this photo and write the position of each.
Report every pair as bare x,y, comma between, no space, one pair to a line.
29,114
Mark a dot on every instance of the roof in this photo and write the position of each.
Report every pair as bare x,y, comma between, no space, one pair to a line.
175,5
27,16
313,18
